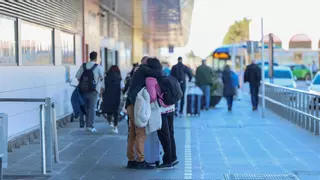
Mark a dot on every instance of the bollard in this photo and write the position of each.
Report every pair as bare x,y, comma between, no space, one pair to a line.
48,134
55,134
43,140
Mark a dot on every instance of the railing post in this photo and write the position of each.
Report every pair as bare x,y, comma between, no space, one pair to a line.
316,121
48,134
55,134
1,156
43,140
4,139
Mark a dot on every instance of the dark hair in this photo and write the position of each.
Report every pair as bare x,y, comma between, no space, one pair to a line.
93,56
179,58
114,68
154,63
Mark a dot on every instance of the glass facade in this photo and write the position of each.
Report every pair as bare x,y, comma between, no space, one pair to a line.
68,49
36,44
7,42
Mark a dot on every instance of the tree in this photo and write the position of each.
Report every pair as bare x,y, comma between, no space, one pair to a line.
239,31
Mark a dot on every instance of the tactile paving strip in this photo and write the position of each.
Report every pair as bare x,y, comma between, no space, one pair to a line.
260,177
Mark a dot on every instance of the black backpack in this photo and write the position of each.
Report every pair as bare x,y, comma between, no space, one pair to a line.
170,87
87,83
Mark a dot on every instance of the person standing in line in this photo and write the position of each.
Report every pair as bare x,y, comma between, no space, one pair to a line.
113,86
252,75
204,76
90,77
137,136
228,88
179,71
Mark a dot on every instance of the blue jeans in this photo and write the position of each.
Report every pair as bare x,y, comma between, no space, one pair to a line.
90,100
229,101
254,90
206,92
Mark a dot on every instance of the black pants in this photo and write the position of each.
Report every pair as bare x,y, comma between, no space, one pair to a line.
180,108
166,137
254,90
229,101
115,117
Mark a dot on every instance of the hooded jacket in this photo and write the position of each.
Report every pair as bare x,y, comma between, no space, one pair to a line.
138,81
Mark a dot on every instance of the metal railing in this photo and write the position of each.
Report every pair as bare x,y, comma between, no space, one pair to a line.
300,107
48,130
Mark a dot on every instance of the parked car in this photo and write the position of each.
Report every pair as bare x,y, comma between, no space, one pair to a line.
315,84
282,76
300,71
266,63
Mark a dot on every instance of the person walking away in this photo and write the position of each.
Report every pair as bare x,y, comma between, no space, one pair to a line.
112,96
252,75
137,136
216,89
90,76
204,81
228,89
179,71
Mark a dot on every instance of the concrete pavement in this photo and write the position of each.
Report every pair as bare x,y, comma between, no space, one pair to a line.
217,145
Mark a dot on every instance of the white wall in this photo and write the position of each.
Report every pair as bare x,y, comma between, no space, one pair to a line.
36,82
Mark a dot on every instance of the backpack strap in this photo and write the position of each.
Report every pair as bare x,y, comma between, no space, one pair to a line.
93,67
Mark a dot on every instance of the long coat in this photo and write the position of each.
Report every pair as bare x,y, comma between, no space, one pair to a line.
228,88
112,93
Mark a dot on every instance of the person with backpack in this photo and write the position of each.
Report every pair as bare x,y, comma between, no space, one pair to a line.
179,71
113,85
137,135
164,90
90,76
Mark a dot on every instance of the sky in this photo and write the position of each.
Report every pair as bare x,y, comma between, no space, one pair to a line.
211,20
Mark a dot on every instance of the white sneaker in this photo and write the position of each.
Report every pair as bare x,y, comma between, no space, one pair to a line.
111,124
115,130
93,130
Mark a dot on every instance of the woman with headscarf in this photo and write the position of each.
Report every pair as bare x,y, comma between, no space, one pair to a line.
228,89
112,96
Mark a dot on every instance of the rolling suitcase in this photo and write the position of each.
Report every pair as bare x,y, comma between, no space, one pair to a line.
152,149
193,104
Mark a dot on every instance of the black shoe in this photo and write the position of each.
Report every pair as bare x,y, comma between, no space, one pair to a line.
229,109
165,166
143,165
254,108
176,162
131,164
157,163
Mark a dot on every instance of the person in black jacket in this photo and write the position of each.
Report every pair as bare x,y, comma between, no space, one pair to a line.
137,136
229,90
128,78
112,96
252,75
180,71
